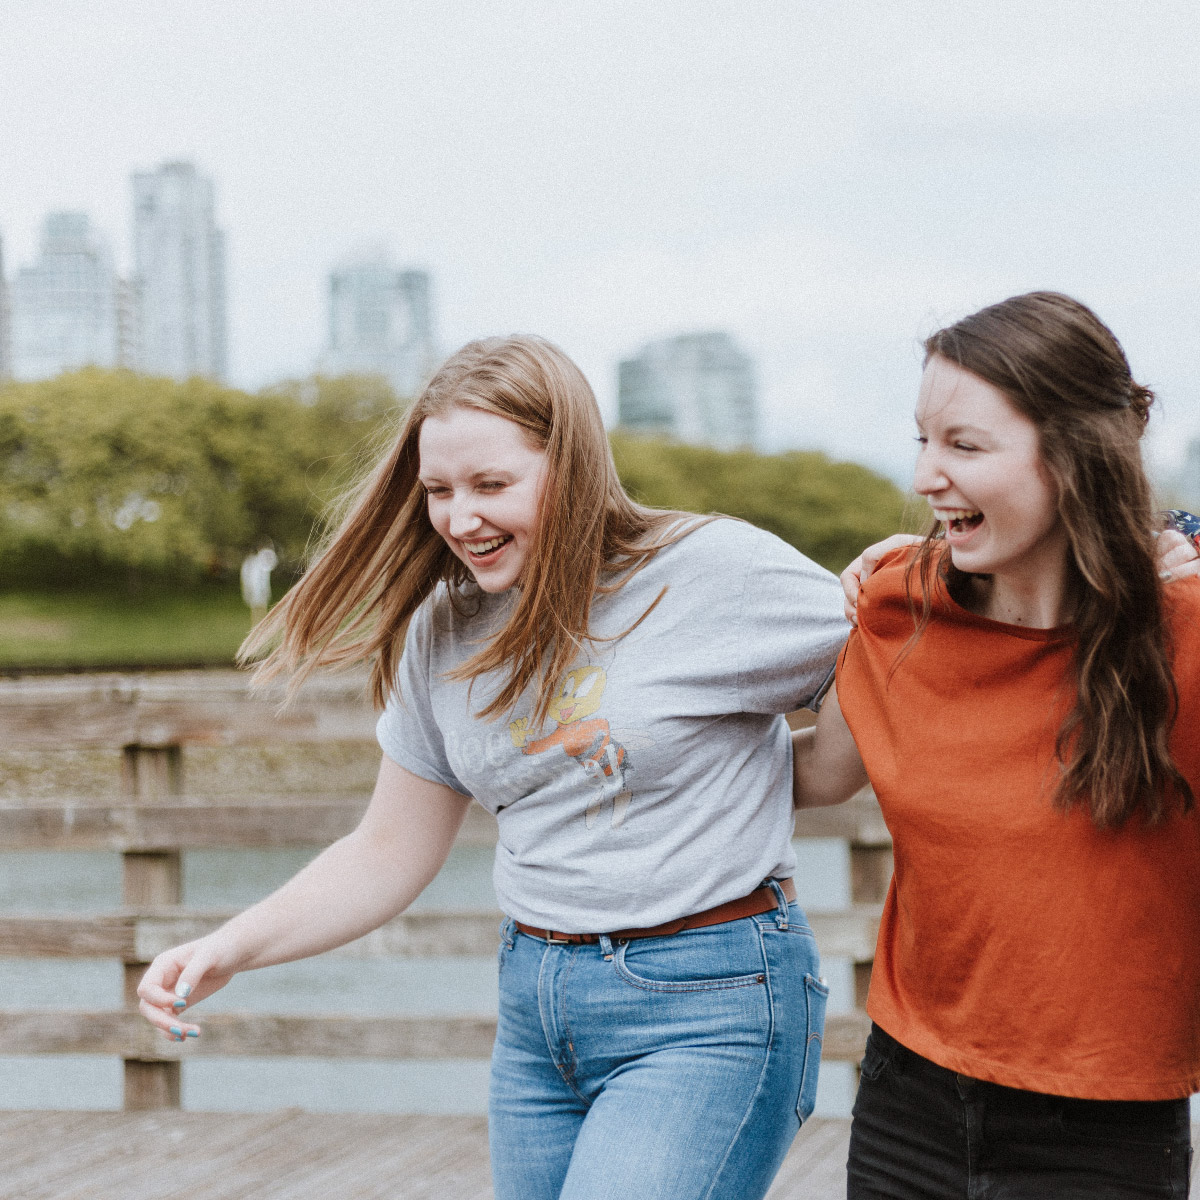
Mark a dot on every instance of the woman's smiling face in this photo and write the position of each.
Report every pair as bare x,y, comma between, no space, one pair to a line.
980,467
483,481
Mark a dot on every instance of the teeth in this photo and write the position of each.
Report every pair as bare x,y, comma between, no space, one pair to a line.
484,547
955,514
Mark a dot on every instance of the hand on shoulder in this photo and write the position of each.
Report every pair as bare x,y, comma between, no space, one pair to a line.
857,573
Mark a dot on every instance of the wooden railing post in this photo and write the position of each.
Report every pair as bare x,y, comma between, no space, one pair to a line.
870,875
150,879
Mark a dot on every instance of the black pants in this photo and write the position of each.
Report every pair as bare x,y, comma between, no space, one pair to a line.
921,1132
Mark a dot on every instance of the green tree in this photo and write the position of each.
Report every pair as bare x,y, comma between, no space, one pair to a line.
829,510
105,472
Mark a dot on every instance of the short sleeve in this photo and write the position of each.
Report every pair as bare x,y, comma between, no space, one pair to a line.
790,628
407,730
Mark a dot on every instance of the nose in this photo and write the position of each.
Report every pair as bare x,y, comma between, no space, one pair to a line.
464,519
928,475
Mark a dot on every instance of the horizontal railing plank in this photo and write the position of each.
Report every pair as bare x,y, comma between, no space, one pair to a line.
195,823
179,708
137,936
186,823
268,1036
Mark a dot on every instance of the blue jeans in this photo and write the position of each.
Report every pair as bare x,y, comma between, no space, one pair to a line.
675,1067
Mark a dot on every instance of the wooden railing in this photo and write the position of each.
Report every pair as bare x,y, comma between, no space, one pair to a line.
152,766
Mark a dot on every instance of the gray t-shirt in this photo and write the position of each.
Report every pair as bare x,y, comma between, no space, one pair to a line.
660,783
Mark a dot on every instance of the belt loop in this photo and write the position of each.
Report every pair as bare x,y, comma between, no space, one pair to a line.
507,932
781,917
606,947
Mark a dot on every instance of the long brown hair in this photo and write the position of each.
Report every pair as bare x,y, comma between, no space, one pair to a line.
1061,367
383,557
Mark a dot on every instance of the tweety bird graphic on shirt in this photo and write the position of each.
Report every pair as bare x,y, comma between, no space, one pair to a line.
586,738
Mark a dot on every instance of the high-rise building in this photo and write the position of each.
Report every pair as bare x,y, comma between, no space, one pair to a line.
381,323
698,387
63,308
175,321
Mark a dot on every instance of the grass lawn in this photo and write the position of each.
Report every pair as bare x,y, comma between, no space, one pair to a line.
202,626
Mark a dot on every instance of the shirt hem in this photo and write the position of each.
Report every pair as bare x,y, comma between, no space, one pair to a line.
1048,1083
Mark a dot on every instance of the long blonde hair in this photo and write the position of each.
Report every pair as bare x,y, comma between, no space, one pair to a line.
384,558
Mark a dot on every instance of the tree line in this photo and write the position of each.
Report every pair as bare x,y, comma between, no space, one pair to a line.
113,475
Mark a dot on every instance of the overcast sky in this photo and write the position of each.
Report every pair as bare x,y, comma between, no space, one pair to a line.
829,181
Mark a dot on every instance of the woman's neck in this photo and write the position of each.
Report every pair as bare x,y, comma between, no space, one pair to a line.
1037,601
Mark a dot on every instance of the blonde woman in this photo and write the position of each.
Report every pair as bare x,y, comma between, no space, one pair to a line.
608,681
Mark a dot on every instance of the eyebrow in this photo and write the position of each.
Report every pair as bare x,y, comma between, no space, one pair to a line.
494,472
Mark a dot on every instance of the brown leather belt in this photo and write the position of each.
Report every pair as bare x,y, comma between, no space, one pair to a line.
761,900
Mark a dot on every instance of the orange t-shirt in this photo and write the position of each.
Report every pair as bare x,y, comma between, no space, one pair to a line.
1019,944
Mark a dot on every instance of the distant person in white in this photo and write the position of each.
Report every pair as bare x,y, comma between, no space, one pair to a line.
256,581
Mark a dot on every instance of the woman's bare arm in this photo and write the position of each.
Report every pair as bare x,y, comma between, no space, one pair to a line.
826,765
355,885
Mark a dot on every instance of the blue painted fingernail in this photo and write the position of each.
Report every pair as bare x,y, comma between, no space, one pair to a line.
183,989
177,1031
193,1033
179,1004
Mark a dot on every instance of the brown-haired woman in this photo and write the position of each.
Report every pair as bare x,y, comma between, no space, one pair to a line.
1024,695
607,680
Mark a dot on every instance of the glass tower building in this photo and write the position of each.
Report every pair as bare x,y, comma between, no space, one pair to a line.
176,323
63,309
698,387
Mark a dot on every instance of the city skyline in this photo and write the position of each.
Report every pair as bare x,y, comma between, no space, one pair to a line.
827,182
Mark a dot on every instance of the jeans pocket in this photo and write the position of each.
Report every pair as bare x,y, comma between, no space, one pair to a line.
874,1061
817,995
695,961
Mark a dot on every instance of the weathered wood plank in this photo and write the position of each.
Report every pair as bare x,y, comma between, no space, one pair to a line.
178,708
141,934
301,1156
127,1035
190,823
197,822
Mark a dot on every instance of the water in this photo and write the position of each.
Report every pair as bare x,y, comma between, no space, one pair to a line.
48,881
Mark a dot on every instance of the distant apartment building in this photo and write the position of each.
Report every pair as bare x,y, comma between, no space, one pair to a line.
698,387
380,323
173,318
63,309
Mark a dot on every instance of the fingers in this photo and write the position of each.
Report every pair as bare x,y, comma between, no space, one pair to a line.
1176,555
175,1029
859,571
850,578
176,977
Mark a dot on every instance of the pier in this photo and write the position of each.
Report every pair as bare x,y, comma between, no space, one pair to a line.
153,766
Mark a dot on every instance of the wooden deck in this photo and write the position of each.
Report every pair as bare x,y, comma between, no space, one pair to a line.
292,1155
299,1156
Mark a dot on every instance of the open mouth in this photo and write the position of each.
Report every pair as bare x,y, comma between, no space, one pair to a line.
959,520
487,549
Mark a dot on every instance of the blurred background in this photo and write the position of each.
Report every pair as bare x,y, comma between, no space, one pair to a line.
235,238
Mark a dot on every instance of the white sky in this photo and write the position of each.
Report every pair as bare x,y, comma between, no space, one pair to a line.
828,180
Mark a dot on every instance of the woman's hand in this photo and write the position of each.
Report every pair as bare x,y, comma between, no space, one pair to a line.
182,976
1177,556
855,575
